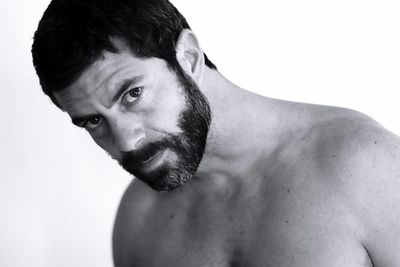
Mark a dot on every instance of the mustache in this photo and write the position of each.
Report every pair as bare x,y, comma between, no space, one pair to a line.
143,154
133,158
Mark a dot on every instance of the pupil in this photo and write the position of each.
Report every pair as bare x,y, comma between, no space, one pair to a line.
94,120
135,92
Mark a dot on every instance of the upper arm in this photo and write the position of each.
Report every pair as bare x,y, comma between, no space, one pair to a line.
380,201
128,225
122,232
368,164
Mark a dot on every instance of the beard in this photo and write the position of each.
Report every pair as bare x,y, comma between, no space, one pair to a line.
188,146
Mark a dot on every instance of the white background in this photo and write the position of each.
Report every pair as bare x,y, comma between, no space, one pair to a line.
59,192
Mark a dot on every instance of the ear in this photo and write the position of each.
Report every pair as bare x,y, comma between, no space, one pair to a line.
190,56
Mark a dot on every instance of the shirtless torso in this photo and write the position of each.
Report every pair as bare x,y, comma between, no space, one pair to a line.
252,181
325,196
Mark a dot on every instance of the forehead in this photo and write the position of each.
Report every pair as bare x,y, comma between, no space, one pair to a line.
104,73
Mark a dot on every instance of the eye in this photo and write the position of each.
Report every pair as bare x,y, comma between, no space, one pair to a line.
132,94
93,122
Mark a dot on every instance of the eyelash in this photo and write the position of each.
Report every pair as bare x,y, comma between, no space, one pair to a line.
127,94
85,124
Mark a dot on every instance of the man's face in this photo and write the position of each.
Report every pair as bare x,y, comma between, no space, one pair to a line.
153,121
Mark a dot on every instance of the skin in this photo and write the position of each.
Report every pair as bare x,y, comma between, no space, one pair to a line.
280,183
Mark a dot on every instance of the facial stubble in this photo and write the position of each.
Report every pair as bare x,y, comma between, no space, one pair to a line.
189,145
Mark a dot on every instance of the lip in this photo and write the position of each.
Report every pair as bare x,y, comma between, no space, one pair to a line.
150,159
153,160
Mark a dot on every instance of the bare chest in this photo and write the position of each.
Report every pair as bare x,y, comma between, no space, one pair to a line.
294,230
263,247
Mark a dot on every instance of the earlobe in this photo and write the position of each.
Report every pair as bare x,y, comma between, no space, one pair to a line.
189,55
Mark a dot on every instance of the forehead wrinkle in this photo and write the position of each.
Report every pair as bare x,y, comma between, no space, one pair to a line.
109,82
98,74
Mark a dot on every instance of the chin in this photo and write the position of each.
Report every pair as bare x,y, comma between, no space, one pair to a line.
166,180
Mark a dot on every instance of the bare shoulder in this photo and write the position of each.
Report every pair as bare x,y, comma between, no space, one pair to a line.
354,144
355,140
132,214
362,159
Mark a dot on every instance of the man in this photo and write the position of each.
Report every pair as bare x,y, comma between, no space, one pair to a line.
245,180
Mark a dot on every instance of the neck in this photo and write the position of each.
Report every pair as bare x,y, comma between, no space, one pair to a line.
242,122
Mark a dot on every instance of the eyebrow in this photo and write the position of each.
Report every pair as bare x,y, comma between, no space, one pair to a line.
125,85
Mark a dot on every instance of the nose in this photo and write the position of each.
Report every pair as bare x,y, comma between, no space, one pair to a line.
127,133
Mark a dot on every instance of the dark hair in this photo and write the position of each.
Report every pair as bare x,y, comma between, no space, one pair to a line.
73,34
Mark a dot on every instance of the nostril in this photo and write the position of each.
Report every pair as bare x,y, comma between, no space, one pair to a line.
128,143
138,143
127,133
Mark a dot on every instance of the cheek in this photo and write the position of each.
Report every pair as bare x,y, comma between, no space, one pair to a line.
165,114
106,143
